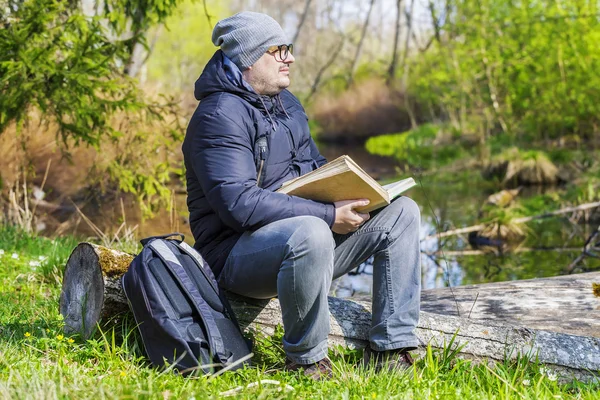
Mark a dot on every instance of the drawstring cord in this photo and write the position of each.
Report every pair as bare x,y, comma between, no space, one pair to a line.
282,107
271,120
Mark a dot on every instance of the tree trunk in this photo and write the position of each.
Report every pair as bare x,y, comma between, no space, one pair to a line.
406,66
302,20
435,21
359,47
394,62
92,290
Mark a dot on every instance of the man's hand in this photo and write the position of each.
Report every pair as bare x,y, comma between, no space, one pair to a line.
346,219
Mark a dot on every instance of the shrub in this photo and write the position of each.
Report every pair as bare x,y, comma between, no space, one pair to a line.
514,166
427,146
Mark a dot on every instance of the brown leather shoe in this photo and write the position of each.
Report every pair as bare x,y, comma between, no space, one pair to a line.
390,360
318,371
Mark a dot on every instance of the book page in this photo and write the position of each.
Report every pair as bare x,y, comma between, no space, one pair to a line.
395,189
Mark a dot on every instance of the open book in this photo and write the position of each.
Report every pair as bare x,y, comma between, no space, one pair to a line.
343,179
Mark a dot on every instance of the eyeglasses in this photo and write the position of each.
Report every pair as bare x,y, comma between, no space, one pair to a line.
284,51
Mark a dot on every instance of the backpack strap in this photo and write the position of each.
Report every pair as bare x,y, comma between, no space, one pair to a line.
215,343
147,240
204,268
187,249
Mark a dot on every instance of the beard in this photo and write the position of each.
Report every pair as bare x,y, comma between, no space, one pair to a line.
269,84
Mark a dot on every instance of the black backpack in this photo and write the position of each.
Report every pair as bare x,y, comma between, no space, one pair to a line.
183,317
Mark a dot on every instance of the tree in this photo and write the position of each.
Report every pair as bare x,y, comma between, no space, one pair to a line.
360,45
394,63
521,71
67,68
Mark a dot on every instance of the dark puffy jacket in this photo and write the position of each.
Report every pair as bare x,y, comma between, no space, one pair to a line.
223,197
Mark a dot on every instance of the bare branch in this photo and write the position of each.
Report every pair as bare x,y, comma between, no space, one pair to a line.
302,20
359,47
208,16
435,20
589,245
324,68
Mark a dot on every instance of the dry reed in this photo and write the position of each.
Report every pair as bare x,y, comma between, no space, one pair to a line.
368,108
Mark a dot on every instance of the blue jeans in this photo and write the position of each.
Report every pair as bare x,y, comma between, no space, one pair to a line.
297,258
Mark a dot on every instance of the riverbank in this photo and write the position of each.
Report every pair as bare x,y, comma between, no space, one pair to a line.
38,361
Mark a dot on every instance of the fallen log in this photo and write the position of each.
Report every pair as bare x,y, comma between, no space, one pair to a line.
564,304
91,288
91,291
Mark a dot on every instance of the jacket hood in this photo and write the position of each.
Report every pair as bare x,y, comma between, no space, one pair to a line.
222,75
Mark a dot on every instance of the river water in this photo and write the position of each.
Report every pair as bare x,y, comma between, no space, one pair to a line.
550,247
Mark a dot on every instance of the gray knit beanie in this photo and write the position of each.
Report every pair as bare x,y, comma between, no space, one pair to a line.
246,36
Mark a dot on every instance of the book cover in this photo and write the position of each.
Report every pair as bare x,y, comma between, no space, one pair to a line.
343,179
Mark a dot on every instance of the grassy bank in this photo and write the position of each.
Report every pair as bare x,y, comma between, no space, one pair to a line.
38,361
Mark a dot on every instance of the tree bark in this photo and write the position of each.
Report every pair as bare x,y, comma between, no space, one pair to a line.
436,22
92,290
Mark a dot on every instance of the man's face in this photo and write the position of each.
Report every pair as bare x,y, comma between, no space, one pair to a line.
270,74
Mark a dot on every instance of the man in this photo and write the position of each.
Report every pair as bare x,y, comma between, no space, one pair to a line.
263,244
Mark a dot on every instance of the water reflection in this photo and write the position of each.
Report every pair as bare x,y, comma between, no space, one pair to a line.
550,247
436,271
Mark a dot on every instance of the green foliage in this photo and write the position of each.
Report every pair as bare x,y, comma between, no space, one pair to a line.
55,60
540,204
144,166
419,147
525,69
587,192
135,17
68,68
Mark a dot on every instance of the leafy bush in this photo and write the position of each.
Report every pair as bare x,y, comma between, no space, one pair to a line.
525,69
69,70
419,147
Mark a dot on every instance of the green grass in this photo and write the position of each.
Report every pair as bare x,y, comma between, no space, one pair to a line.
38,361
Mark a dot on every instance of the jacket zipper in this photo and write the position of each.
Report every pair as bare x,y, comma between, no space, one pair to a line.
291,139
